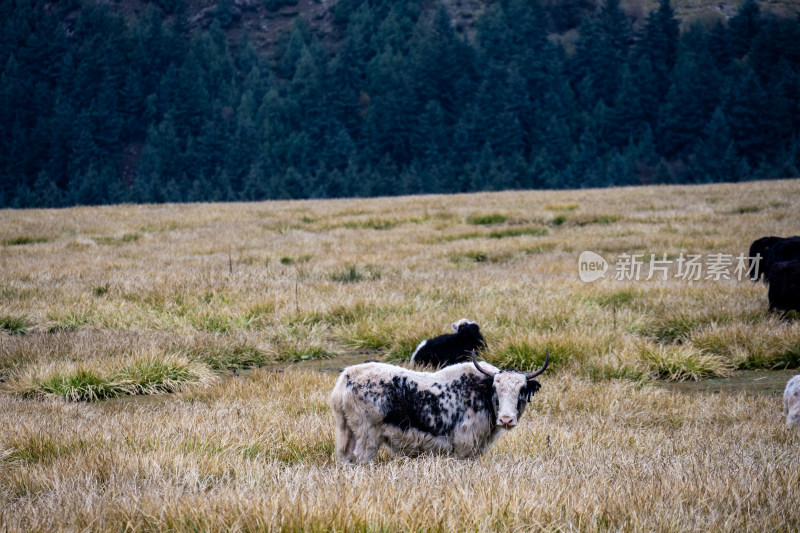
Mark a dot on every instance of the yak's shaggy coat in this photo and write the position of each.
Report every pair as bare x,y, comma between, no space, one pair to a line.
791,402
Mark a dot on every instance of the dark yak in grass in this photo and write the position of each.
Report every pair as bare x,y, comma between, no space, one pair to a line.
450,348
787,249
760,248
784,286
459,410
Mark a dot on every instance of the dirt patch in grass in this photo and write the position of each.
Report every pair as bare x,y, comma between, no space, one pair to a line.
767,382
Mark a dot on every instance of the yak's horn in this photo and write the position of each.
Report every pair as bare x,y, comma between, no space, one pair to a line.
531,375
481,370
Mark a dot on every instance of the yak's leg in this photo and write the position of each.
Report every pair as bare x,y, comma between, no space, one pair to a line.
345,439
366,446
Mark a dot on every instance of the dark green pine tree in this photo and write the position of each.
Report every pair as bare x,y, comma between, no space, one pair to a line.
691,99
659,41
743,27
441,65
748,117
714,147
602,50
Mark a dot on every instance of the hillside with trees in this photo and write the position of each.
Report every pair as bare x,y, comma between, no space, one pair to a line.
99,105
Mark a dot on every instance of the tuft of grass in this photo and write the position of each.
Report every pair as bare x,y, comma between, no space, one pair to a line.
597,219
213,322
475,256
225,357
562,207
16,325
376,224
78,386
40,449
559,220
299,354
21,241
533,231
101,290
145,376
67,320
745,209
670,328
352,274
684,363
111,240
752,346
525,357
487,220
618,297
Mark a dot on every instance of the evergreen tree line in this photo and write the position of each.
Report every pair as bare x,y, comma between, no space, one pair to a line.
96,108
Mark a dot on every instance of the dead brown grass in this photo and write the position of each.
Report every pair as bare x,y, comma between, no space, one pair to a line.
265,301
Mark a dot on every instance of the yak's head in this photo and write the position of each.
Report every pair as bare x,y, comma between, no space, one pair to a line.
469,329
511,391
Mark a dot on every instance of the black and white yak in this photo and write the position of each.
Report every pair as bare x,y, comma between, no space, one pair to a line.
459,410
791,402
450,348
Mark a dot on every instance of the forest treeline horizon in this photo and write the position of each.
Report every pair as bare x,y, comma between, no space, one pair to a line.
97,108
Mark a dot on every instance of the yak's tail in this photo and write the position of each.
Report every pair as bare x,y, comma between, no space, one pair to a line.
344,438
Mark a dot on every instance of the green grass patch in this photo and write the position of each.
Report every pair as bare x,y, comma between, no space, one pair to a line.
562,207
112,241
148,376
67,320
299,354
539,248
558,220
618,298
16,325
745,209
532,231
474,256
353,274
101,290
597,219
21,241
486,220
41,449
526,357
79,386
684,363
226,357
670,328
212,322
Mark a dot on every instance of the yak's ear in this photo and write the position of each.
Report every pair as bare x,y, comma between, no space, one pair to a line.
532,388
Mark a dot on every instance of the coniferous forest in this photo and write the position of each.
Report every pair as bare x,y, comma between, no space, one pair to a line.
98,107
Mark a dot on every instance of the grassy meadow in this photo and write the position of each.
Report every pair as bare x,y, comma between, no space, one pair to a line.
167,367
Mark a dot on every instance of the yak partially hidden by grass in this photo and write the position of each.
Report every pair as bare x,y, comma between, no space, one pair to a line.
780,258
459,410
450,348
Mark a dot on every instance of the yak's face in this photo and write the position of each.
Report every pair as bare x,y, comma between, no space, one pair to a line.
511,394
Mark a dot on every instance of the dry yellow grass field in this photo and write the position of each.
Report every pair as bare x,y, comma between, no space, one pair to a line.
168,367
